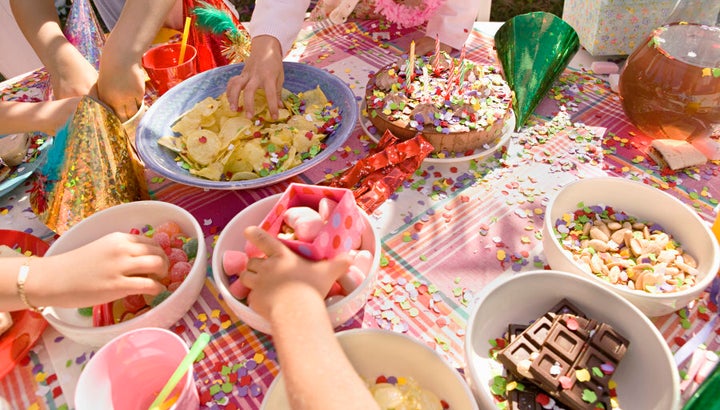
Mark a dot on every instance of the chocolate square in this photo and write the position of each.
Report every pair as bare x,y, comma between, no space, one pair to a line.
523,400
565,306
514,329
573,397
538,330
516,352
593,360
610,341
547,368
564,342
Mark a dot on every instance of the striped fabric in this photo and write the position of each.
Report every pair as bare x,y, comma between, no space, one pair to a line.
451,229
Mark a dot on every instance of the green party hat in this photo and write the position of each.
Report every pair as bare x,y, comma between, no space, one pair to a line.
534,48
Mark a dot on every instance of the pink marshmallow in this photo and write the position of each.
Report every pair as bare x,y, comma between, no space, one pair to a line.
325,208
362,259
239,290
709,146
305,222
604,67
351,280
234,262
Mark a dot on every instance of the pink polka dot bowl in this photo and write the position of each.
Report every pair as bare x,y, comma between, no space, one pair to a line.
122,218
231,239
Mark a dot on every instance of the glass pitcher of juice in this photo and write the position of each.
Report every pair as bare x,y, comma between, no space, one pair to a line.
670,85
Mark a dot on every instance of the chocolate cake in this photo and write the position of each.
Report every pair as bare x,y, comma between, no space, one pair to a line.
457,105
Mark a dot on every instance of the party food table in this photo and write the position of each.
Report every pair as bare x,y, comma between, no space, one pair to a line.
453,227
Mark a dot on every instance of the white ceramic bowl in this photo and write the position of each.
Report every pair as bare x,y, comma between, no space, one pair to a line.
232,238
122,218
646,377
645,203
376,352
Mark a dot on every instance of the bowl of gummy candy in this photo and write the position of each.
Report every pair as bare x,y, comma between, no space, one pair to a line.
400,372
315,222
632,238
176,231
564,341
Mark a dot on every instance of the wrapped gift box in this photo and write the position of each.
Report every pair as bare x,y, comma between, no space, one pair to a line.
615,27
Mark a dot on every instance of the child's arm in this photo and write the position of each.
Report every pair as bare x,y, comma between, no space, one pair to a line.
273,27
104,270
288,290
121,83
263,70
46,116
71,74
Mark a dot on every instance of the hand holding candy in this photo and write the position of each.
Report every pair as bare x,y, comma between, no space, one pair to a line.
305,223
283,273
123,264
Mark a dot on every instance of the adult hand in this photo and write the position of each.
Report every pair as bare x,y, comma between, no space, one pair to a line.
426,45
263,70
107,269
277,277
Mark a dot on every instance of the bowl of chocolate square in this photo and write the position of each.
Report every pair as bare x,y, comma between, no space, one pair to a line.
568,342
632,238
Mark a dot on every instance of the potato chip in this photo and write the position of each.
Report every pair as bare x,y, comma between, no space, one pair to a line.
213,171
217,143
203,146
314,98
235,128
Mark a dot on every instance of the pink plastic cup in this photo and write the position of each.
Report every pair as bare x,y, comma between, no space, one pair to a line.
131,369
162,66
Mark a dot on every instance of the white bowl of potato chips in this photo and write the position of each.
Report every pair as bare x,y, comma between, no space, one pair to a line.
191,136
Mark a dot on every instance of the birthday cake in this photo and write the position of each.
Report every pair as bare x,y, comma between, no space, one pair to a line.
457,105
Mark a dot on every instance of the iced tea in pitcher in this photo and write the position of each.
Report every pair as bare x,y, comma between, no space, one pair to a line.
670,87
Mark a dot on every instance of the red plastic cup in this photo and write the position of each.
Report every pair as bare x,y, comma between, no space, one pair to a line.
162,66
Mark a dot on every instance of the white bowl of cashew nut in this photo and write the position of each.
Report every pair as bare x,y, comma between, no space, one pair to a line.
639,241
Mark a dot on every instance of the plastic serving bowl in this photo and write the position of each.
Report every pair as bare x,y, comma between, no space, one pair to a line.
122,218
647,377
232,238
376,352
647,204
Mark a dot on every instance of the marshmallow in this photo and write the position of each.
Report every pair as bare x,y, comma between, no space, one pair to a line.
234,262
305,222
604,67
325,208
614,80
351,280
708,146
239,290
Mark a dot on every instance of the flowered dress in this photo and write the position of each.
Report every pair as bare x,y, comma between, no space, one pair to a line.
406,13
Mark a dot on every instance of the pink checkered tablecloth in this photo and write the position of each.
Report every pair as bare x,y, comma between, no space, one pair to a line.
452,227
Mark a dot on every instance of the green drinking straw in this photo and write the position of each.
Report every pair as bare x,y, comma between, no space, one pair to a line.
182,368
